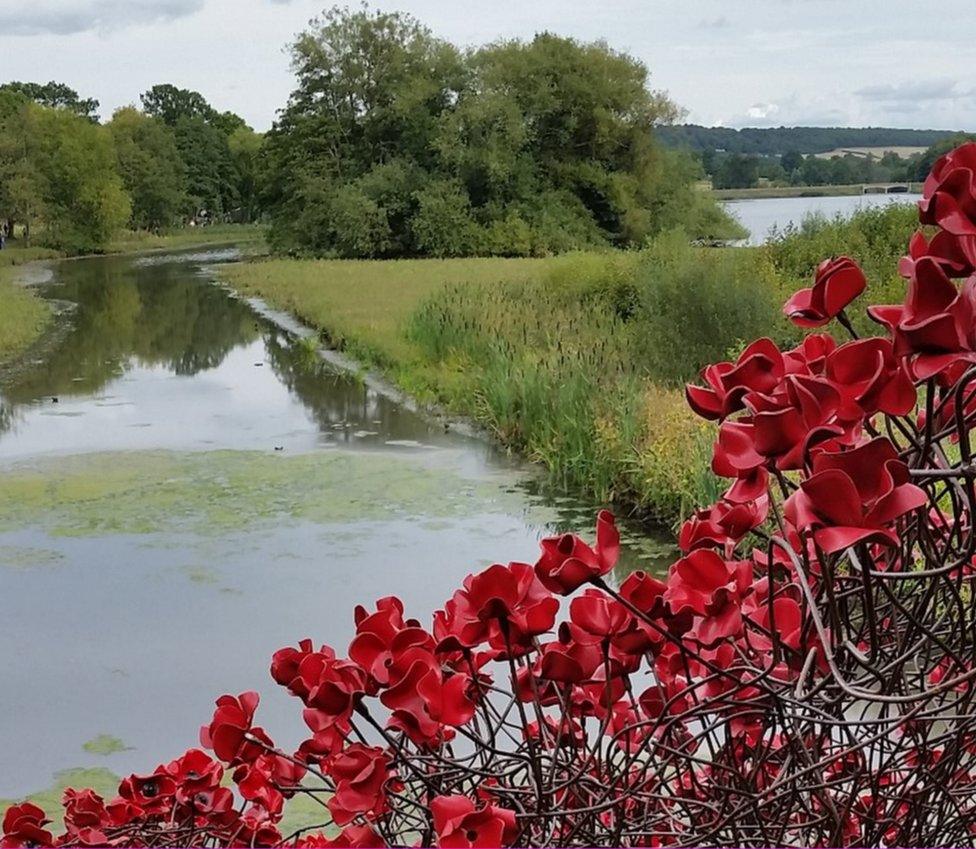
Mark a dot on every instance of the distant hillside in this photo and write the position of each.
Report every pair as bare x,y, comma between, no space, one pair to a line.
776,141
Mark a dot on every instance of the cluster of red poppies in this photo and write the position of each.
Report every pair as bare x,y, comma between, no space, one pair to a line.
705,706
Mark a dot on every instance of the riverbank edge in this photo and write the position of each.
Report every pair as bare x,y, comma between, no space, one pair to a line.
372,377
387,376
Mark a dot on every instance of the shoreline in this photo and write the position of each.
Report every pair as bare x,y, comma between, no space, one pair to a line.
773,192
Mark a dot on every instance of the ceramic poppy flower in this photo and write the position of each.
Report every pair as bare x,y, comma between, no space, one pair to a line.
711,588
460,822
935,327
870,379
232,724
505,606
956,255
570,661
375,633
837,282
193,772
949,192
786,624
85,811
854,496
332,685
154,794
758,369
723,524
567,562
360,773
424,698
23,825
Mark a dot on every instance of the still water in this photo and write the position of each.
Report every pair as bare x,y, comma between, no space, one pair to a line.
763,216
184,488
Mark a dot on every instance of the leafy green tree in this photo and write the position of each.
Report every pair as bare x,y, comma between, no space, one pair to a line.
814,171
151,168
791,160
56,95
737,171
436,151
372,87
23,186
245,148
85,202
443,225
170,104
210,176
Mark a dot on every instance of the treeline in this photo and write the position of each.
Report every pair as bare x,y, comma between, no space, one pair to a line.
776,141
72,183
743,170
398,143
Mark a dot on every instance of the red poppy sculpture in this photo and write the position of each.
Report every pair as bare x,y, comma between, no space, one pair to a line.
802,675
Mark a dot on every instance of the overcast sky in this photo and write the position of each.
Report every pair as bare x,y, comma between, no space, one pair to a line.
732,62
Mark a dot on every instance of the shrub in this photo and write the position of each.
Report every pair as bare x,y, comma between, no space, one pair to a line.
442,225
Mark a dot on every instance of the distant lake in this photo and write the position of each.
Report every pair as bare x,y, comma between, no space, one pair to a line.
760,215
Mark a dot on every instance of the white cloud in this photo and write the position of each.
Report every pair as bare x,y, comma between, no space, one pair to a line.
67,17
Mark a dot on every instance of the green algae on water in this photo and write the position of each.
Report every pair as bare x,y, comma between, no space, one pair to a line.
105,745
212,492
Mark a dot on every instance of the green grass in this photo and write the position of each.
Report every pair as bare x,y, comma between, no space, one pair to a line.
23,316
15,254
364,305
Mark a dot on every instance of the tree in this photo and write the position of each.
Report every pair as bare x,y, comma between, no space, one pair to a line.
57,96
477,139
372,87
245,148
23,186
85,202
210,178
737,171
151,168
791,160
170,104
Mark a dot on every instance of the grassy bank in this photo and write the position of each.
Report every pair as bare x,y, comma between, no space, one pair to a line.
136,241
23,317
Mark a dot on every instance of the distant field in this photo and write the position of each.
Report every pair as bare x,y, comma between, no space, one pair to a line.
878,152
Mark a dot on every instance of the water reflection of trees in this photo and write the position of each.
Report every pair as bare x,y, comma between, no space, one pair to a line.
151,315
335,398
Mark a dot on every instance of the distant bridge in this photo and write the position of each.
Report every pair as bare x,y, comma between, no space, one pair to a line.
886,188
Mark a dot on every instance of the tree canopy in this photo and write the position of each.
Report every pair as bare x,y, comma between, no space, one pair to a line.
73,183
56,95
397,143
